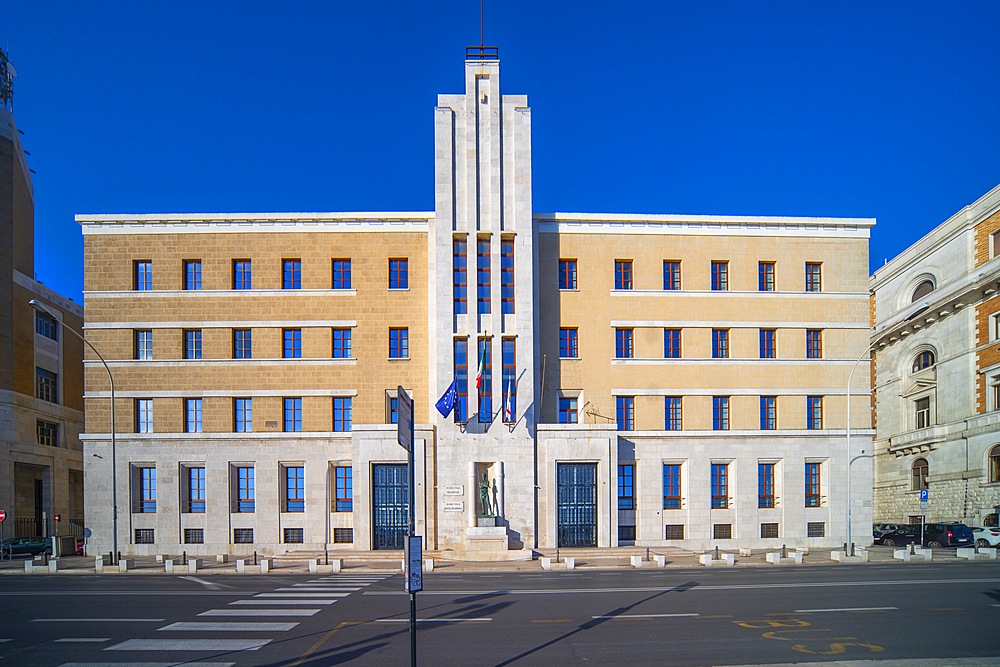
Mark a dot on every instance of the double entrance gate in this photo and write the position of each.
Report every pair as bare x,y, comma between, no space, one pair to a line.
577,499
390,497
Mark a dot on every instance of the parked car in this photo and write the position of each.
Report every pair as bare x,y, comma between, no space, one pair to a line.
986,537
27,546
900,535
79,546
879,529
947,535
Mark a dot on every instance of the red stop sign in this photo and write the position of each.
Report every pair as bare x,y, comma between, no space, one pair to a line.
3,515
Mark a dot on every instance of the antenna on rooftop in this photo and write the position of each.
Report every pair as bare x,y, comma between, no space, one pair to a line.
482,39
7,76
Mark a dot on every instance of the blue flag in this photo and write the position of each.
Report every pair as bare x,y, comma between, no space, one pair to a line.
446,403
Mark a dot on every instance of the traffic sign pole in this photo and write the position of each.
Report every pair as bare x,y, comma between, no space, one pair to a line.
414,552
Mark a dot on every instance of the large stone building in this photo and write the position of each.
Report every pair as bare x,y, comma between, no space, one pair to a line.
651,380
937,382
41,368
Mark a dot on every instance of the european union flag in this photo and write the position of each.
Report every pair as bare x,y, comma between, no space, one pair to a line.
446,403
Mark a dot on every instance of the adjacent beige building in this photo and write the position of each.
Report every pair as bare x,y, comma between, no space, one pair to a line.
651,380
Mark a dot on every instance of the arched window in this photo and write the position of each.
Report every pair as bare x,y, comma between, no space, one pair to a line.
923,289
924,360
995,464
919,476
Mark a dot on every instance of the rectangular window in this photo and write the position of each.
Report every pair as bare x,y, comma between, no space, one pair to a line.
623,274
243,415
295,489
720,486
765,276
814,412
567,410
625,412
145,536
567,274
507,276
195,490
192,415
720,343
293,535
242,535
399,273
623,344
484,379
192,343
291,274
814,275
813,498
720,413
625,534
816,529
671,274
341,274
143,275
626,486
461,356
483,283
671,343
194,536
508,375
342,343
673,532
460,275
768,530
768,413
344,483
392,410
720,276
292,415
814,344
192,274
343,535
765,485
568,348
46,385
143,415
923,412
46,433
143,344
245,493
671,486
146,477
46,326
242,274
722,531
399,343
768,343
672,413
291,347
342,413
242,344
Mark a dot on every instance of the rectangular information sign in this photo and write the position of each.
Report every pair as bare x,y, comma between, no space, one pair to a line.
414,555
404,419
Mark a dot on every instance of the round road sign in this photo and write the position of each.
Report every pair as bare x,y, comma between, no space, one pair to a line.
3,515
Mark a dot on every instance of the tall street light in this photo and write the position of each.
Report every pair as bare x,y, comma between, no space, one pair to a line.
922,308
114,462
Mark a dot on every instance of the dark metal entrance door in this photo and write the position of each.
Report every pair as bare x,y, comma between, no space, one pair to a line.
577,489
389,504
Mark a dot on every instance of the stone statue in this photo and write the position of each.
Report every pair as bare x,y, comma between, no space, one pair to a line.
484,496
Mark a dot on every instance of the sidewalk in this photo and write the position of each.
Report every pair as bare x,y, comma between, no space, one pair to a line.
389,562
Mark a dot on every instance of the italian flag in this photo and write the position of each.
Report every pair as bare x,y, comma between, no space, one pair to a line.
482,366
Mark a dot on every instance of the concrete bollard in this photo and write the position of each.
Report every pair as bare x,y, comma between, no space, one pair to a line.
265,565
126,564
29,567
99,563
570,562
546,562
160,558
193,565
428,565
313,565
241,566
336,565
968,553
635,561
168,566
221,559
746,552
661,560
989,552
54,565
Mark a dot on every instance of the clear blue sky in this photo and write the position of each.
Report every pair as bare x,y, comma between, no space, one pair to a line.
874,109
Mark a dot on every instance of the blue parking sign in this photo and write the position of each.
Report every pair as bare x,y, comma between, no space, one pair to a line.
924,495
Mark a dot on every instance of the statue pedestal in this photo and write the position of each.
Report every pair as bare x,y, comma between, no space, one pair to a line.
486,542
486,521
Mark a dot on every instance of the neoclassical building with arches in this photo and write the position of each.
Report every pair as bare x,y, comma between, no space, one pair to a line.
936,372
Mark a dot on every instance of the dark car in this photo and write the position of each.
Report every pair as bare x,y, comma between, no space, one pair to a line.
947,535
899,535
27,546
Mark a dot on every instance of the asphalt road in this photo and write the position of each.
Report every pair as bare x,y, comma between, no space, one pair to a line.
738,616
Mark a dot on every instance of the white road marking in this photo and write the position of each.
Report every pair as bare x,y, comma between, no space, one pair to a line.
210,585
646,616
210,626
10,640
283,601
299,588
98,620
189,645
82,640
259,612
143,664
435,620
302,595
818,611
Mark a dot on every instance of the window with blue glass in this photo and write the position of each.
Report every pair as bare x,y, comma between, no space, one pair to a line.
242,274
342,413
460,275
143,415
671,486
292,343
399,343
242,344
192,274
671,274
508,375
399,273
568,343
341,274
46,385
813,497
626,486
342,343
245,491
567,410
623,344
720,413
147,489
814,276
814,344
344,485
765,485
195,489
192,415
720,486
567,274
292,414
295,489
507,276
720,343
46,326
291,274
768,345
625,412
720,276
144,344
768,413
192,343
461,356
672,413
485,382
814,412
765,276
392,410
483,278
243,415
671,343
623,274
143,278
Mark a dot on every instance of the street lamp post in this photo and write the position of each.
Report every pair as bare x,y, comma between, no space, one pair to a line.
916,313
114,462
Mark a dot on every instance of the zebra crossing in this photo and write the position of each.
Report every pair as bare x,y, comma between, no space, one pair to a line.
258,618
